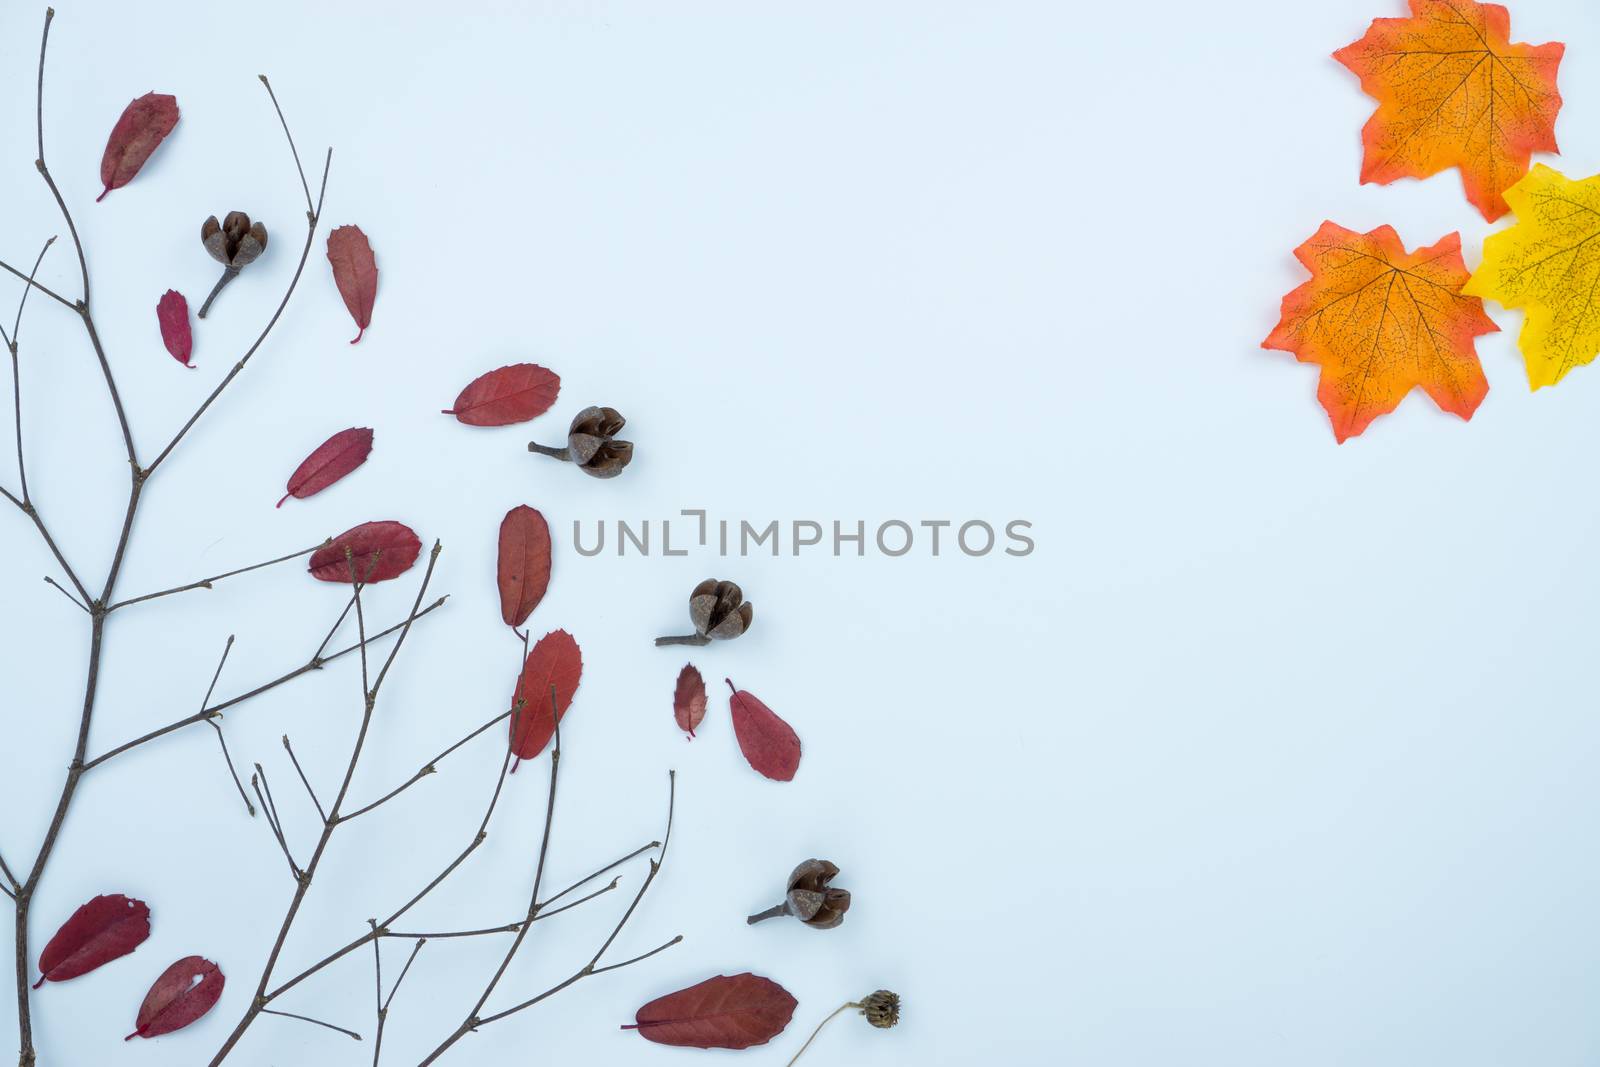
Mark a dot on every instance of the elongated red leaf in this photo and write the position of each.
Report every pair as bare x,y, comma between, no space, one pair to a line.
355,272
555,660
172,312
103,929
332,460
689,699
184,992
524,568
144,124
379,551
728,1011
511,394
769,743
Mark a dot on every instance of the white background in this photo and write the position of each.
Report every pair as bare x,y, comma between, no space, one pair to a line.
1274,751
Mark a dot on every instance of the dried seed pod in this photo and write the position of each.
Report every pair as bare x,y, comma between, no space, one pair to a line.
880,1008
810,897
235,242
719,613
592,443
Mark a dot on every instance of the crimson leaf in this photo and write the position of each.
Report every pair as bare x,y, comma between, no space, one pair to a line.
103,929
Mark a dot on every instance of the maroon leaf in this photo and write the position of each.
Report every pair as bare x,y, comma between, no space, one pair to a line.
556,660
769,743
728,1011
689,699
184,992
511,394
524,567
172,312
379,551
355,272
143,125
100,931
332,460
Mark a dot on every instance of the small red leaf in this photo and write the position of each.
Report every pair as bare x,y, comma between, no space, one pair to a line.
511,394
355,272
728,1011
184,992
332,460
524,567
100,931
689,699
555,660
379,551
172,312
144,124
769,743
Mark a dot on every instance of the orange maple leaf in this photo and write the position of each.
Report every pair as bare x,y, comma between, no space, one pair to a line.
1453,91
1381,321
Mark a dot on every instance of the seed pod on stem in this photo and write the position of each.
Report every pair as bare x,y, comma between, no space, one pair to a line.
810,898
880,1008
235,242
592,443
719,613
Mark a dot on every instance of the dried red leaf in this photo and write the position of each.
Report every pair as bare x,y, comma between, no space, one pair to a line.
689,699
172,312
379,551
103,929
355,272
511,394
332,460
524,567
144,124
555,660
184,992
769,743
728,1011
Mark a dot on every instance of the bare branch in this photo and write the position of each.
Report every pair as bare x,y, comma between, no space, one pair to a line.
303,779
248,807
272,820
205,583
16,370
75,601
309,1019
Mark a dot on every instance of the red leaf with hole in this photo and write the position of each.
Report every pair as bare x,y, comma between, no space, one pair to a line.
728,1011
555,660
769,743
689,699
184,992
524,567
379,551
100,931
332,460
144,124
355,272
511,394
172,312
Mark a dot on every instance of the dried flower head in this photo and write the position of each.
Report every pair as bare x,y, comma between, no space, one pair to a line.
810,897
235,242
718,611
882,1008
592,443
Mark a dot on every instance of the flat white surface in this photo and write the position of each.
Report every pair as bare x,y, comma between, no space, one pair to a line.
1273,752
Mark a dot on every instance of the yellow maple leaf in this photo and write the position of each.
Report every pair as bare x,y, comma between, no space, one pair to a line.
1549,265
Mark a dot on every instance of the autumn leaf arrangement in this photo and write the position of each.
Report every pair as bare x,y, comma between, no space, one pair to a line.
109,929
1453,91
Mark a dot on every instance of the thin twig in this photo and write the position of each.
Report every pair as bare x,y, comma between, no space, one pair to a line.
303,779
309,1019
315,663
846,1006
270,810
75,601
403,971
248,807
205,583
16,370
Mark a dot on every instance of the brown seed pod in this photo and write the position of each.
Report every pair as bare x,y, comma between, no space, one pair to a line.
235,242
592,443
718,611
810,897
